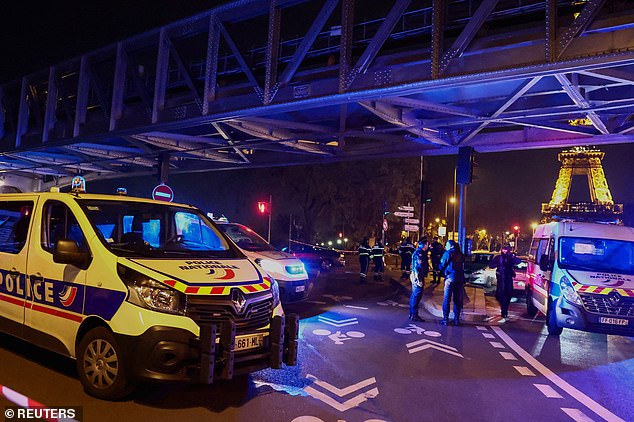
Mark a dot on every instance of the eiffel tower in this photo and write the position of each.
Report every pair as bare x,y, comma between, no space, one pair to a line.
582,161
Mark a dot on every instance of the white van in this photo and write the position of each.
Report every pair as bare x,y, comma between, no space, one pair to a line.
286,269
135,289
581,276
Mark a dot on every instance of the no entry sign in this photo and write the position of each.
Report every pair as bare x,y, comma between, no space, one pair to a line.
163,193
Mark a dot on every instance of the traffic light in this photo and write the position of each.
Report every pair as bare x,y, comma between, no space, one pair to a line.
428,200
263,207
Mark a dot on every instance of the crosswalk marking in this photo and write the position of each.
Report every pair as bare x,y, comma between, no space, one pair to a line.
508,356
576,415
488,335
481,328
497,344
548,391
523,370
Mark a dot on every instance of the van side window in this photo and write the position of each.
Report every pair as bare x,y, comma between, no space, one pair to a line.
542,248
532,253
15,218
58,222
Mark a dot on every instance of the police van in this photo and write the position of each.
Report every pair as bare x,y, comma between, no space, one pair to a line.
134,290
288,271
581,276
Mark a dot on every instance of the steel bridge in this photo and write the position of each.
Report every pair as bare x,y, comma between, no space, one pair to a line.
257,83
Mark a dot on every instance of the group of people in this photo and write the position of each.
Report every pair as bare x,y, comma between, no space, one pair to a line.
447,262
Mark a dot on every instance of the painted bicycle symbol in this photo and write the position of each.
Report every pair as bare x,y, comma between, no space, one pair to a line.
413,328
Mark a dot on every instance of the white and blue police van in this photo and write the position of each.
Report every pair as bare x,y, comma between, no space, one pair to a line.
135,290
580,275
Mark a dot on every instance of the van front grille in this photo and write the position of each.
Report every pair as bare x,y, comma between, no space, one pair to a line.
204,310
608,305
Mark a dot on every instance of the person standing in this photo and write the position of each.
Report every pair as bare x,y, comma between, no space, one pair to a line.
364,259
420,269
504,264
377,257
405,251
435,254
452,265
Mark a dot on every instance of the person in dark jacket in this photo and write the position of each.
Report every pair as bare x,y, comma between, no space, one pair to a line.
377,257
405,251
452,265
420,269
364,259
504,264
436,251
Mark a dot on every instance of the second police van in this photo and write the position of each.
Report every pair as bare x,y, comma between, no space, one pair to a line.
581,276
136,289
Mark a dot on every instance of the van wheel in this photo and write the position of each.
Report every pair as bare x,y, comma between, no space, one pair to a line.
531,309
551,320
100,365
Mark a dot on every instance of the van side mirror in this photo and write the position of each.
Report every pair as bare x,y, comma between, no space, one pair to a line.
67,252
544,263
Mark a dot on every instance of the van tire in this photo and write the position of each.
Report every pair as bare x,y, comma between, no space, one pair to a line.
531,309
551,320
101,366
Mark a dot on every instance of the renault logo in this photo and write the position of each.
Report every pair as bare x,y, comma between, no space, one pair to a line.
614,298
238,299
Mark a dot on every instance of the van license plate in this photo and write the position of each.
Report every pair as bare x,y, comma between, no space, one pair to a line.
249,342
300,289
613,321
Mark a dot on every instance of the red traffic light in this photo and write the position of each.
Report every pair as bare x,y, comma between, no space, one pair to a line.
263,207
516,228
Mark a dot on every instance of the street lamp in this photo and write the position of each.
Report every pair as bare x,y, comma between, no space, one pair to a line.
451,200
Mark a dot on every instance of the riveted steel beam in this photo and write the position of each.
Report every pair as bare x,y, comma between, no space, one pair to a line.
51,104
184,71
551,30
377,41
162,68
272,52
23,112
577,97
307,41
238,56
439,9
230,141
83,89
345,43
468,33
579,25
211,64
118,89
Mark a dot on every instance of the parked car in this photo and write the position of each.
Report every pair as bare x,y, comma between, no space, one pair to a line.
289,271
486,277
475,263
316,257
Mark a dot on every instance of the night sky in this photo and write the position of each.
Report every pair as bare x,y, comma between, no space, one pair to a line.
508,187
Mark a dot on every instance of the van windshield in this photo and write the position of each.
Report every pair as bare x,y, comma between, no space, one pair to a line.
138,229
245,238
601,255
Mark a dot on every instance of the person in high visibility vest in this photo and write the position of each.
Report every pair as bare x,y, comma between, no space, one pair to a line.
406,250
364,259
377,256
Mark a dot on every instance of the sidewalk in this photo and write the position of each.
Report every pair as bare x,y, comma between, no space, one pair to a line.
474,308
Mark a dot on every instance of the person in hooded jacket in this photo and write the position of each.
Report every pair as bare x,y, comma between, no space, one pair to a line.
405,251
452,265
504,264
420,269
364,259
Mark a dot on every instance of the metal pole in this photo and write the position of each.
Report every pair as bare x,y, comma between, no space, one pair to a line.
453,207
422,197
268,239
462,218
290,233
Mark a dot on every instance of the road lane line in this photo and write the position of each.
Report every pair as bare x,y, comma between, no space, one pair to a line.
524,371
488,335
576,415
548,391
481,328
508,356
497,344
558,381
355,307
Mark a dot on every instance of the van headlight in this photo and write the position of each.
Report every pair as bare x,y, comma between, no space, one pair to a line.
269,265
150,294
275,291
569,293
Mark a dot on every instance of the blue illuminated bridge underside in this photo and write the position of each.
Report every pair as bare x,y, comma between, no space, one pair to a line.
270,83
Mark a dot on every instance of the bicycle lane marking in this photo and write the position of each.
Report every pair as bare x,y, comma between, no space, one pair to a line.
558,381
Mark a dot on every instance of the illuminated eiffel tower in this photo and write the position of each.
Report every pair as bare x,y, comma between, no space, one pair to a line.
582,161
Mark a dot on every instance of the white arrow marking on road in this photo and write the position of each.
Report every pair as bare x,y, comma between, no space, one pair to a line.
348,404
428,344
338,323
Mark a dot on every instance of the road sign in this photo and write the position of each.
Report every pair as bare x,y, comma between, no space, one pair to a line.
442,231
404,214
405,208
411,220
385,226
163,193
411,228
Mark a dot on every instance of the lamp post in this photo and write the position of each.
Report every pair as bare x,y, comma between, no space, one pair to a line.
451,200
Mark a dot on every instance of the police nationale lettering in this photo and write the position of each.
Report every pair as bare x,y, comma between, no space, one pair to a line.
205,265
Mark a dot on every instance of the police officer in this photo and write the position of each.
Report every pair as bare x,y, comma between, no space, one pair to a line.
377,257
405,251
420,269
504,264
364,259
452,264
437,250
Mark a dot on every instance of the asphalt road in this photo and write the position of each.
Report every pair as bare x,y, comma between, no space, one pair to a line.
361,360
